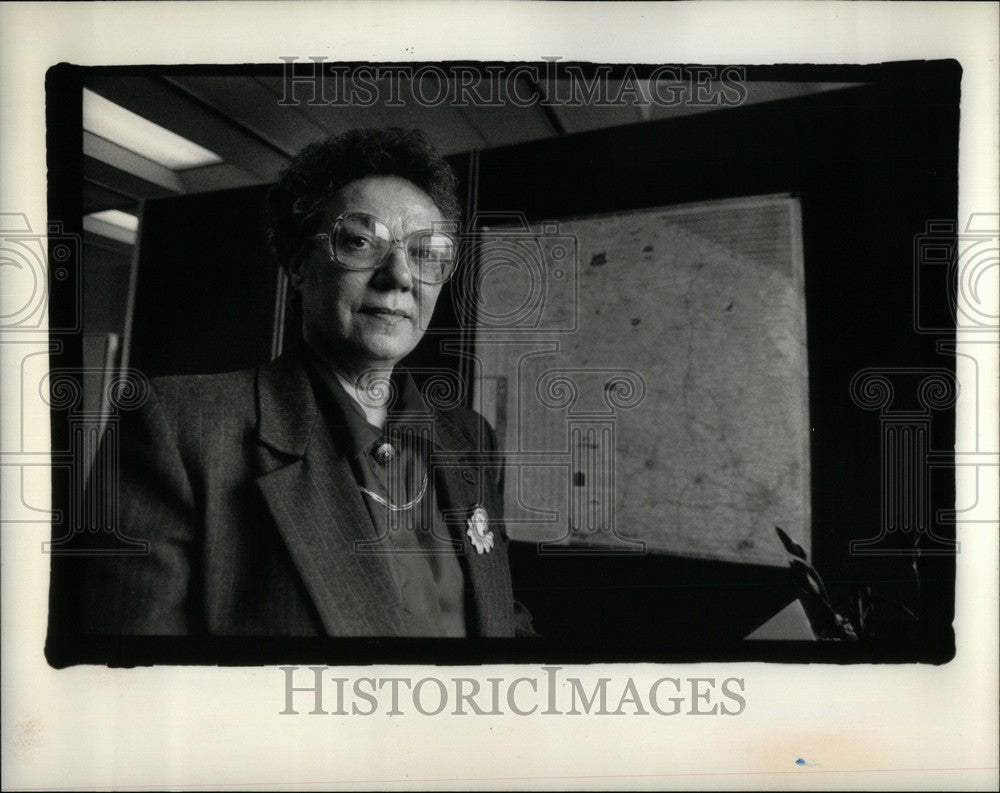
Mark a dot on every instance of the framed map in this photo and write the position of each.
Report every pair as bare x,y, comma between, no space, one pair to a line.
647,376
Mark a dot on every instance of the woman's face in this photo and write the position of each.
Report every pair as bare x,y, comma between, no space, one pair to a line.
364,319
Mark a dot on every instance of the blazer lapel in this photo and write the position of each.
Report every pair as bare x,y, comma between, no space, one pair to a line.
489,574
310,490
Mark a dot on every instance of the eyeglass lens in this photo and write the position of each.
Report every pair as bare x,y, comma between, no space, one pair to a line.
363,242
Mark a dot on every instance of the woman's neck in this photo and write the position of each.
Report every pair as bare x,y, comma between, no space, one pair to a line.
371,391
369,386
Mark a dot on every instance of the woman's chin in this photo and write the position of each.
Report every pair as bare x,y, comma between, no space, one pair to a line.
386,347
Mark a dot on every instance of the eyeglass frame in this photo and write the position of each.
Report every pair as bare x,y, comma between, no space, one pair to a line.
329,235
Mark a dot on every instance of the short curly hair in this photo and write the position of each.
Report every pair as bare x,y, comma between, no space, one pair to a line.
322,168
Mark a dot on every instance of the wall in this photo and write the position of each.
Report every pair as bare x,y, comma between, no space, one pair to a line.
871,167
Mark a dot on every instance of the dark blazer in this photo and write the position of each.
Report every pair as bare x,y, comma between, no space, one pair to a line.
252,518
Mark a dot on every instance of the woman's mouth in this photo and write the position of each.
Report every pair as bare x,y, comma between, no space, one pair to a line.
385,314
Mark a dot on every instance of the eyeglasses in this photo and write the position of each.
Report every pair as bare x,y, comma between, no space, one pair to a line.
363,242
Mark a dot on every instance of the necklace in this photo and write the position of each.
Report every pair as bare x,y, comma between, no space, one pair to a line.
398,507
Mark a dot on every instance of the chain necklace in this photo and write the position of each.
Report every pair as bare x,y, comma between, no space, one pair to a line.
398,507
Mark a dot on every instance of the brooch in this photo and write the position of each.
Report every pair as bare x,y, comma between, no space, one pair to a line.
479,531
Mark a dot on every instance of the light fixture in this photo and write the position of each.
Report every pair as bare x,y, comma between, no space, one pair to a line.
124,128
114,224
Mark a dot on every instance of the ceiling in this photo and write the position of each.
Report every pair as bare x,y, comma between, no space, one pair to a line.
247,133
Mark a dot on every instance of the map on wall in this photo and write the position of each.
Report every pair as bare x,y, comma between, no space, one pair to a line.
646,373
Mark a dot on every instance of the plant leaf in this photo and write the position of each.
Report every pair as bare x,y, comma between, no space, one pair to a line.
791,546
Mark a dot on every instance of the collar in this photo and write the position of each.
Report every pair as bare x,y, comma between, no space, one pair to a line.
288,407
340,410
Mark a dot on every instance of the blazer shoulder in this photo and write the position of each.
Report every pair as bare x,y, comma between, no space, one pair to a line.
227,394
473,426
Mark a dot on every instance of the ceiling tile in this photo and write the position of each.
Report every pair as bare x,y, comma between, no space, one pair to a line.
254,106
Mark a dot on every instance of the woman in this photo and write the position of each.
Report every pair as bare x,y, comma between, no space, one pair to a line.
319,493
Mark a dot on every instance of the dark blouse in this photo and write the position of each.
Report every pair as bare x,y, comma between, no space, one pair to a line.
391,467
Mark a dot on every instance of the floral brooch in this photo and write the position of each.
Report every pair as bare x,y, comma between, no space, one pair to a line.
479,530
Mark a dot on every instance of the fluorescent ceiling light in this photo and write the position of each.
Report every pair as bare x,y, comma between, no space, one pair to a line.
135,133
117,218
112,223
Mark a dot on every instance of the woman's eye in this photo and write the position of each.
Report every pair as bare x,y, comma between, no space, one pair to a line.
358,243
432,249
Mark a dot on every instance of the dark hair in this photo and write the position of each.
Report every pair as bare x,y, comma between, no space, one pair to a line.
322,168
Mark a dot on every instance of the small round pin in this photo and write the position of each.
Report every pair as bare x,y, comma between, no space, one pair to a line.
384,453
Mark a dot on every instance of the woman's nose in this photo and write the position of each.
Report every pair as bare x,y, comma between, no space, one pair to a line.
394,272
